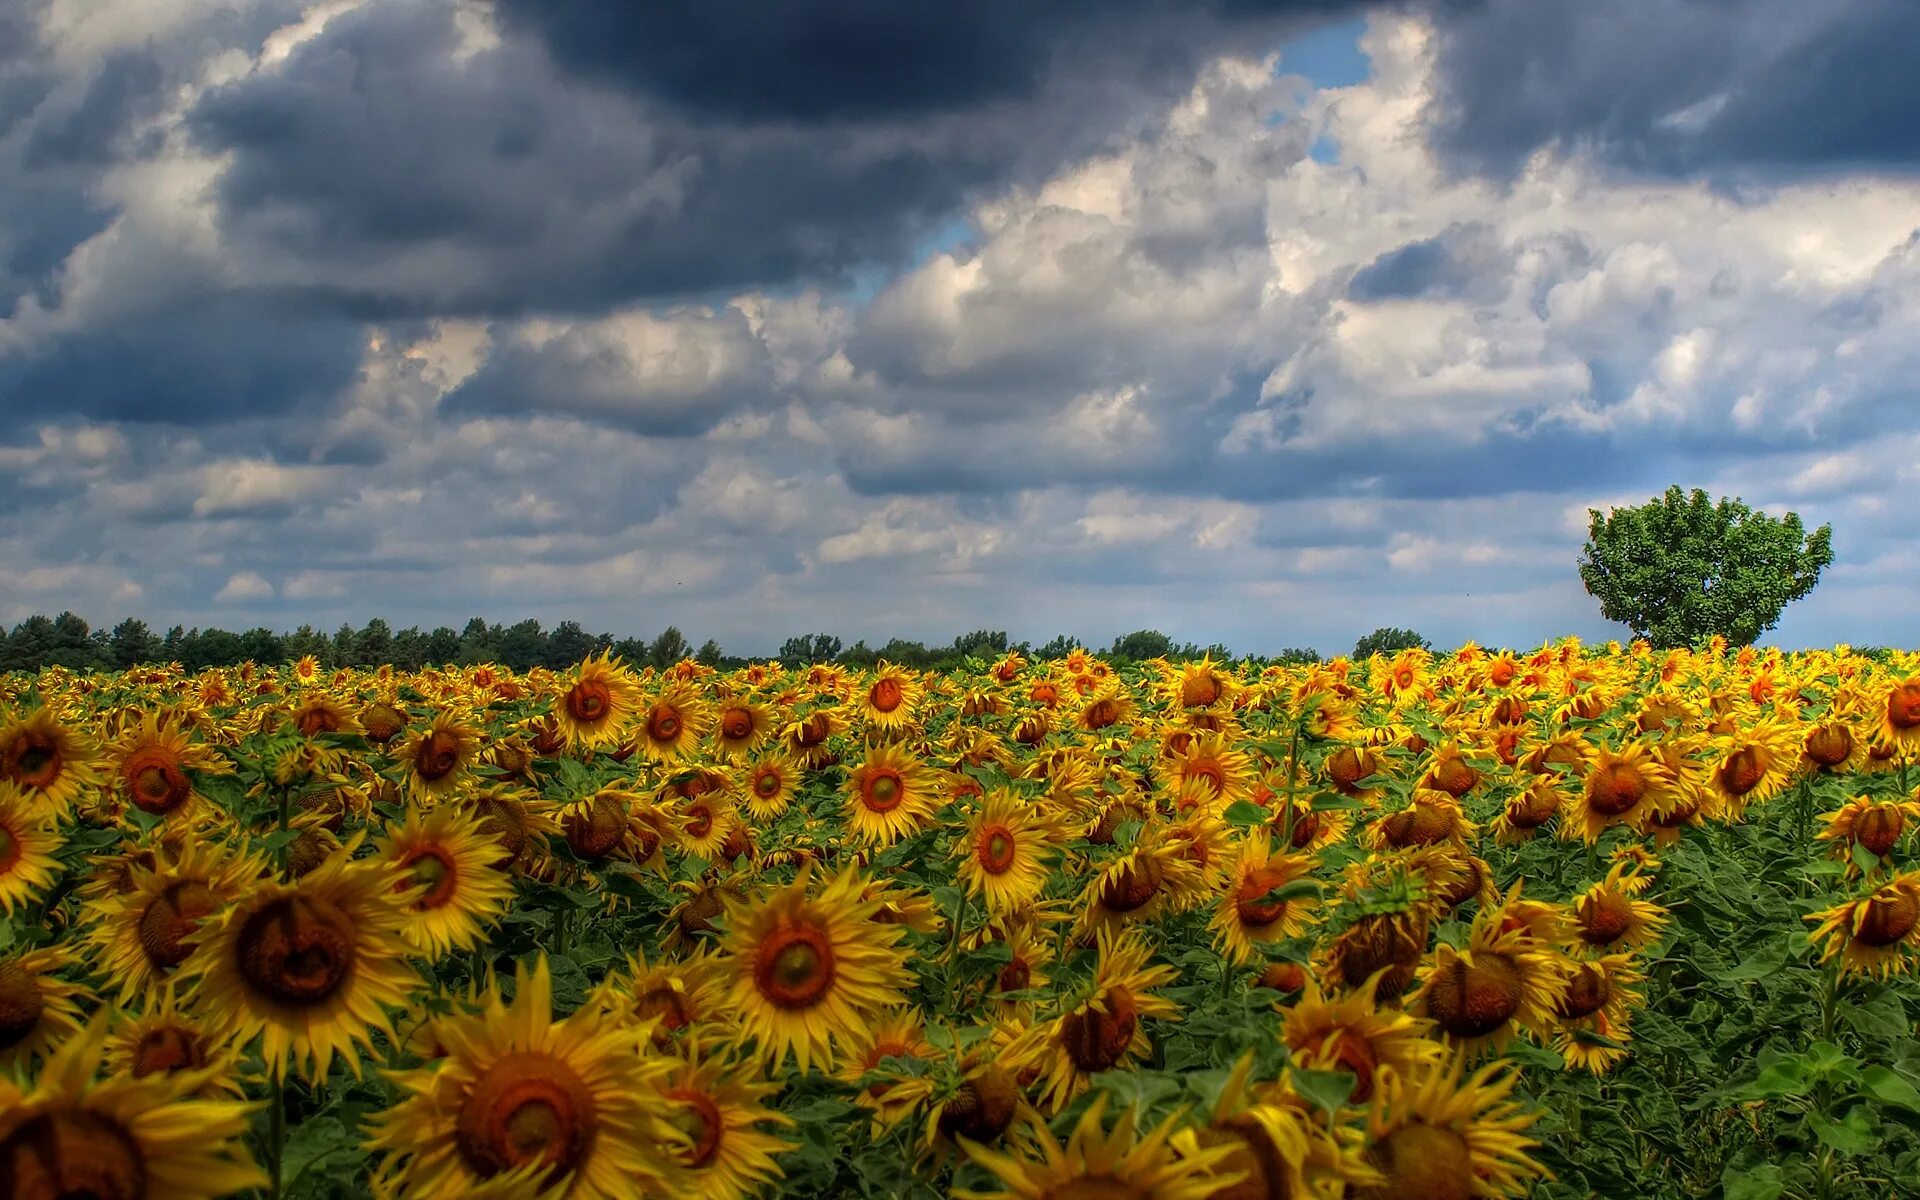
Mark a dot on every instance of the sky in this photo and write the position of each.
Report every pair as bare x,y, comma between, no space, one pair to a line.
1253,321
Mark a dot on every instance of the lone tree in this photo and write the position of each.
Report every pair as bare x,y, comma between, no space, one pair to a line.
1388,639
1680,568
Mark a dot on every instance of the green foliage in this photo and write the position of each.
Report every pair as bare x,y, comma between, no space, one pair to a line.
1680,568
1389,640
1142,645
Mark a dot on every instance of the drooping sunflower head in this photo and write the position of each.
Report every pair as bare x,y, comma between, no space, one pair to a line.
1876,935
808,965
889,795
1622,787
1103,1027
1431,817
1139,886
719,1106
309,967
167,1039
595,703
1501,985
49,761
518,823
28,843
1528,811
1873,825
1448,771
891,1095
1434,1135
142,935
1610,916
1754,764
318,713
76,1134
1594,1013
1899,717
1097,1163
672,997
1278,1145
446,868
437,759
37,1007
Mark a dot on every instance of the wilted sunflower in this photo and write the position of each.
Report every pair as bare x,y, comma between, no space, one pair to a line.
27,847
75,1134
1139,886
1354,1034
719,1107
518,823
571,1105
52,764
37,1008
768,785
596,704
1028,954
318,714
672,724
742,728
1003,853
167,1039
438,757
1096,1162
311,966
140,936
445,864
890,698
1610,916
1432,1134
1268,899
809,966
596,826
1429,817
1594,1013
1875,935
889,795
1502,984
805,738
1102,1029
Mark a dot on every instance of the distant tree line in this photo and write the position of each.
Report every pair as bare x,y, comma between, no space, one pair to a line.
68,641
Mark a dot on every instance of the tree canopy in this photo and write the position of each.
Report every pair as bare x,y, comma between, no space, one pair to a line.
1681,568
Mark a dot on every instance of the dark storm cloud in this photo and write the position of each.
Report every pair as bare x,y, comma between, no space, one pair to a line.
1465,260
124,86
1683,86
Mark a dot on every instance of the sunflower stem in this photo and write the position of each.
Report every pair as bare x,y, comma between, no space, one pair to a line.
276,1129
286,813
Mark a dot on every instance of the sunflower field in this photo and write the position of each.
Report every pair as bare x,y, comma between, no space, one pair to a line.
1581,922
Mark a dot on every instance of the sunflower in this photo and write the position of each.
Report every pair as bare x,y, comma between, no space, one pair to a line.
597,703
1096,1162
1267,899
1873,825
1028,956
76,1134
671,996
1209,759
37,1008
890,698
897,1034
1622,787
1102,1030
806,737
445,862
27,847
1141,885
1106,708
438,757
808,966
1278,1144
167,1039
1753,765
1004,852
311,966
1502,983
673,723
51,764
768,786
318,714
1432,1134
1354,1034
518,823
1610,916
889,795
719,1108
1527,812
1448,771
1899,713
570,1105
1594,1013
1348,769
1198,685
1875,935
596,826
140,936
1430,817
743,727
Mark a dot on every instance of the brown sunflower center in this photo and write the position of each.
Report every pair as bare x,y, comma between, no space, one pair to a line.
666,1002
1283,977
663,722
10,850
1615,789
1604,919
982,1107
1208,771
1532,809
431,868
316,719
1015,976
298,951
589,701
1471,998
1377,942
1423,1162
502,820
882,790
736,724
438,756
1103,1186
699,1118
21,1004
1306,827
885,695
1199,691
1742,770
766,784
526,1108
794,967
1353,1053
1102,713
593,834
71,1155
167,1048
1251,903
1829,745
1903,705
1097,1039
1131,887
994,849
1347,766
1454,777
170,917
1587,993
1888,919
34,760
382,722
